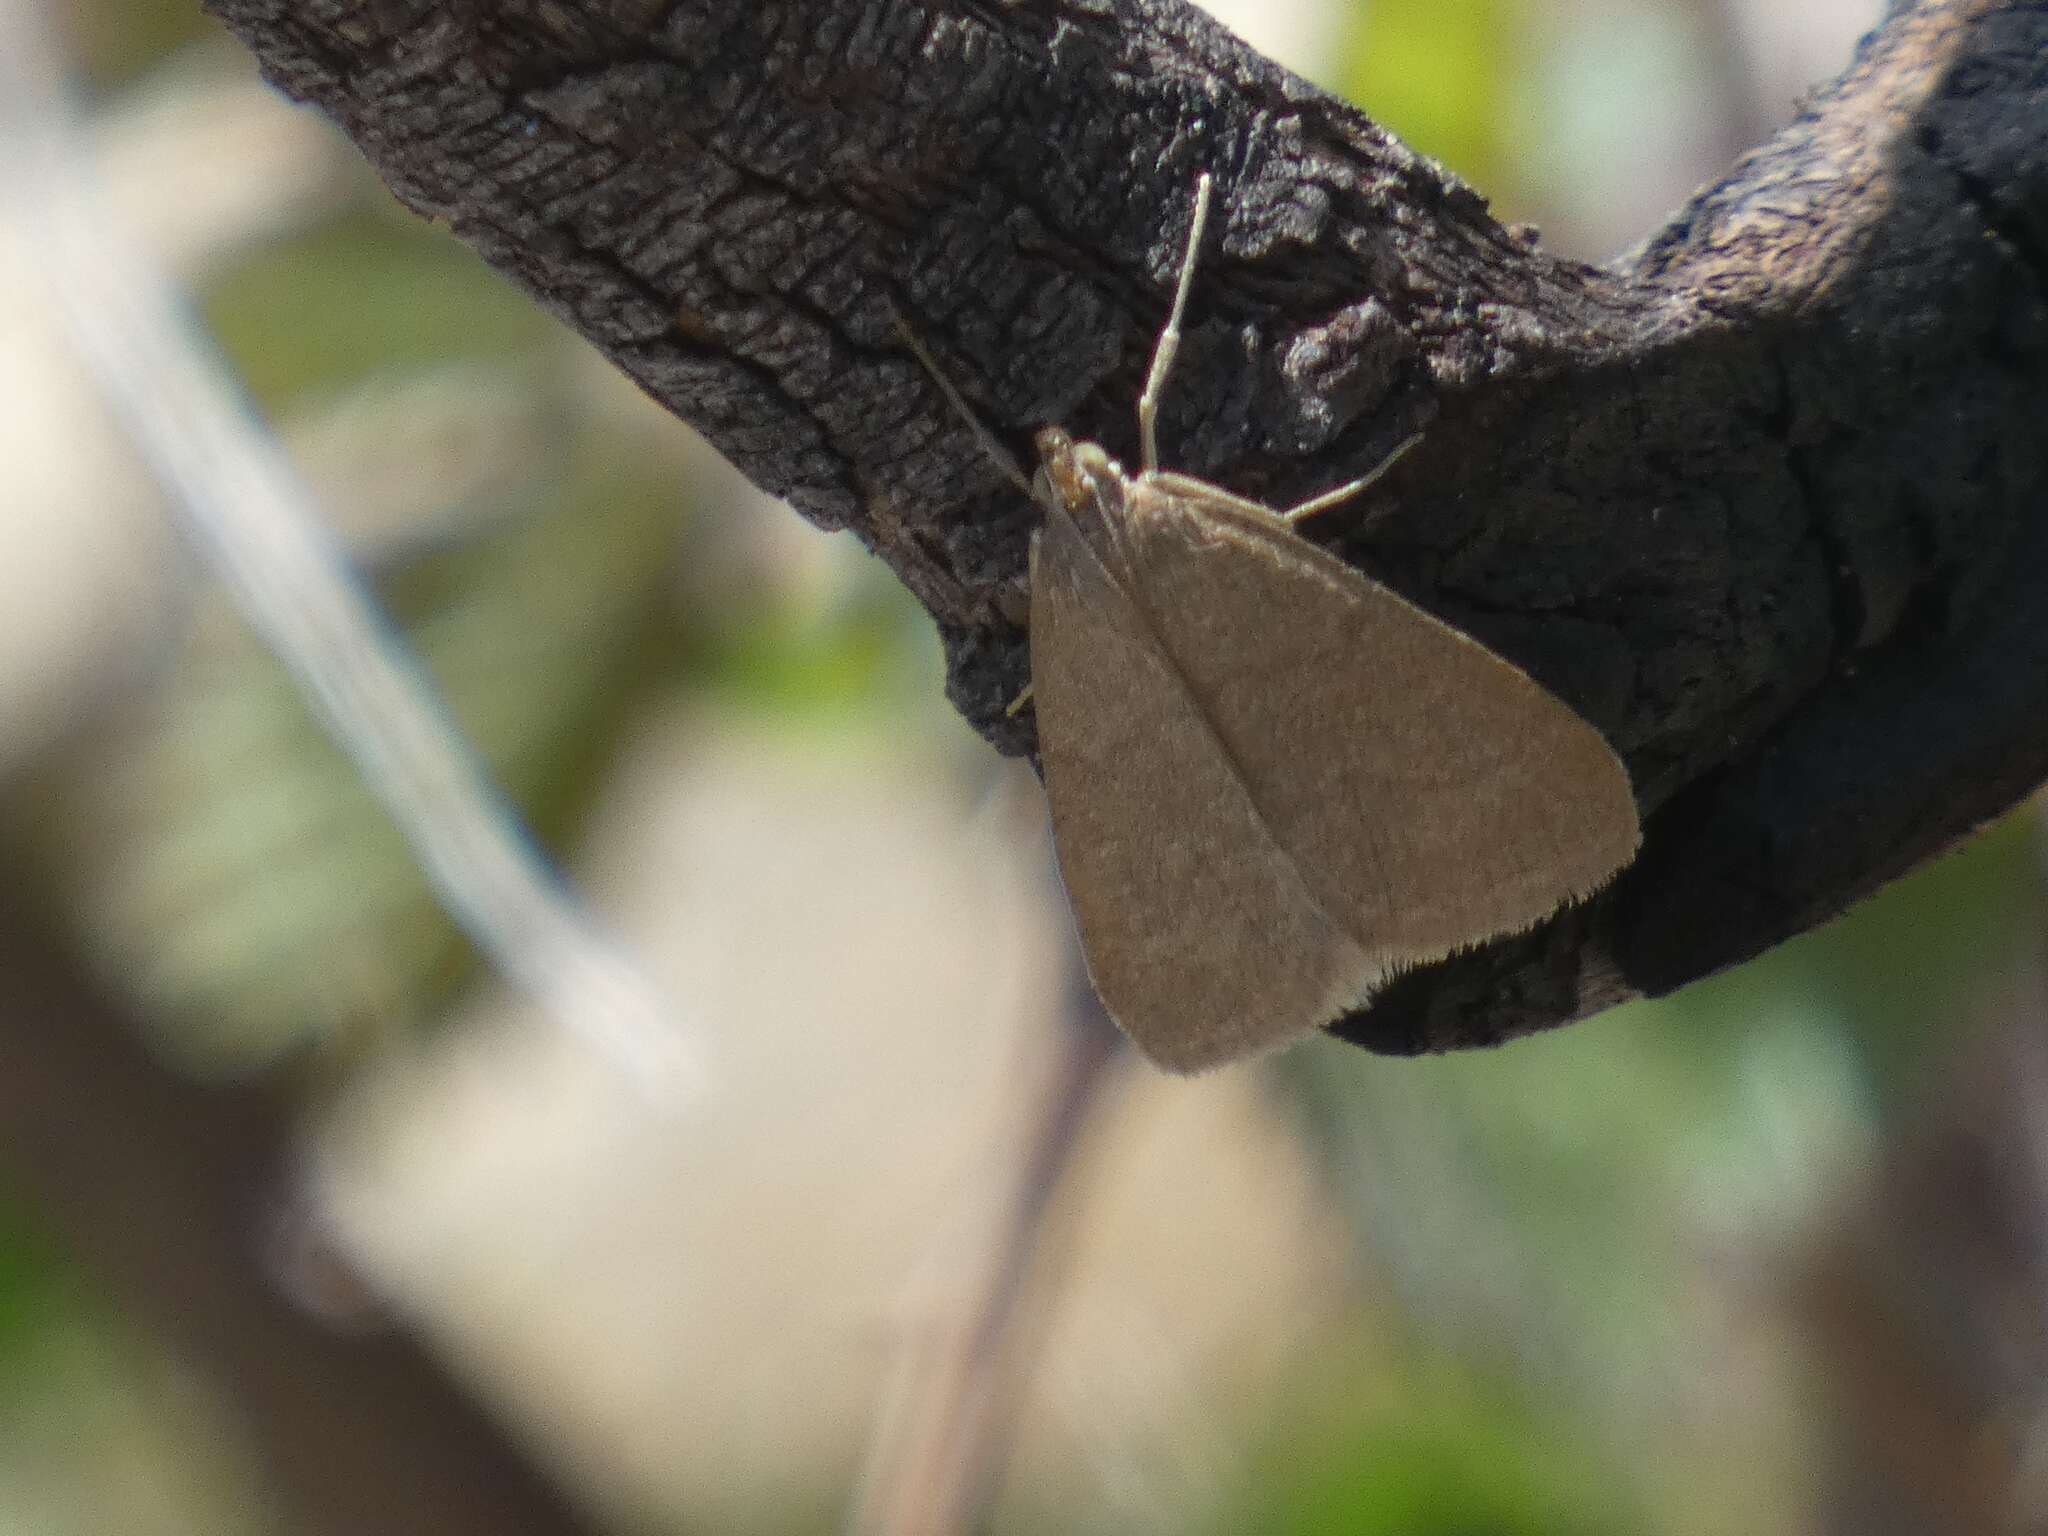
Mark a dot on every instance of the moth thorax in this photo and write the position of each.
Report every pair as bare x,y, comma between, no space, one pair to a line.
1073,472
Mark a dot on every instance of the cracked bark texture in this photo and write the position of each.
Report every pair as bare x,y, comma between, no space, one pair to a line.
1761,498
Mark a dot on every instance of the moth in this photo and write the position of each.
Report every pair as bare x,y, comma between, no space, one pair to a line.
1274,781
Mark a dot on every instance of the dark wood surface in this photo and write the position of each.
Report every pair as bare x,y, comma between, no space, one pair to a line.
1762,498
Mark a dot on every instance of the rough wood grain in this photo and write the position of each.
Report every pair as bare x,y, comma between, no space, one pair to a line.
1763,498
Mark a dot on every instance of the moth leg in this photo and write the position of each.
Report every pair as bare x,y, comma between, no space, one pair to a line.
1017,704
1169,339
1349,489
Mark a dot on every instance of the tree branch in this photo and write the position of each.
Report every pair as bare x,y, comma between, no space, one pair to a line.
1761,499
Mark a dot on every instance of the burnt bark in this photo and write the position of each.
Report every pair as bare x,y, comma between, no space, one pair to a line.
1761,498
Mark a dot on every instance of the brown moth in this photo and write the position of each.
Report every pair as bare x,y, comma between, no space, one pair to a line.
1274,781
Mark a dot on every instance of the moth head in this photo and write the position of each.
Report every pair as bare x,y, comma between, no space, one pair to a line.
1071,474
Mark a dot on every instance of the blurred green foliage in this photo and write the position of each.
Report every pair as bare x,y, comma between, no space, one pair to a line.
30,1274
873,653
397,293
1541,1209
1364,1451
231,866
1909,976
1437,74
114,41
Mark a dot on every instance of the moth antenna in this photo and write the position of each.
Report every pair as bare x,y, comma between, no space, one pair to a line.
1351,488
1169,339
1004,460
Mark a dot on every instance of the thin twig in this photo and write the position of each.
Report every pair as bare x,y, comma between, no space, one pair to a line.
939,1449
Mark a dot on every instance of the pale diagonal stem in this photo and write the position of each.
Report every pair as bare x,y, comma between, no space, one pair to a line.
246,512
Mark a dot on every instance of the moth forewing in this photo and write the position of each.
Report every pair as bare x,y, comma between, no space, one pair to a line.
1200,935
1434,795
1274,781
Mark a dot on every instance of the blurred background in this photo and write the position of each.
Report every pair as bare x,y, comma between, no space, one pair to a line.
1770,1256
